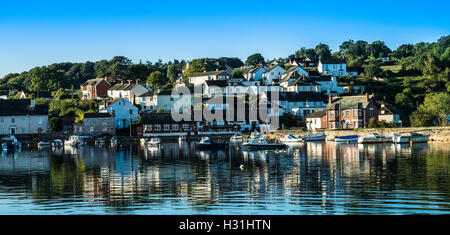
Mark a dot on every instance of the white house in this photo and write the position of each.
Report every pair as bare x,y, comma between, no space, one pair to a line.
316,120
128,91
255,74
199,78
296,82
332,66
23,116
328,84
123,112
272,74
213,87
302,103
297,69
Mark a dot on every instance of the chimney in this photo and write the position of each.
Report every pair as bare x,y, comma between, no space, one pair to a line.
129,82
329,99
367,97
105,78
137,82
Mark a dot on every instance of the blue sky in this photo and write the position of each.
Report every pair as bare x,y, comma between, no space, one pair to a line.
38,33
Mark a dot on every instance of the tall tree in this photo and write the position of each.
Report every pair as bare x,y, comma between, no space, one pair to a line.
322,51
255,59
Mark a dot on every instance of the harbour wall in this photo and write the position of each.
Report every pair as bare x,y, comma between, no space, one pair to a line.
437,134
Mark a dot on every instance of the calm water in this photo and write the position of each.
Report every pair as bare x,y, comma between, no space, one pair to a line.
314,178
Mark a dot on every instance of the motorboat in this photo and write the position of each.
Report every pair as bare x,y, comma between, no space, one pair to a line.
44,144
236,137
73,140
410,137
291,139
374,138
260,142
207,143
314,137
113,141
346,138
57,143
154,142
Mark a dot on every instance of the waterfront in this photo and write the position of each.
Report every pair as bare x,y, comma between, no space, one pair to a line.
312,178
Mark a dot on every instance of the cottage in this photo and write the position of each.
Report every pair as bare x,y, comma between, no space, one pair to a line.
128,91
95,88
123,110
303,103
96,124
200,78
272,74
316,120
23,116
332,66
389,115
328,84
301,62
297,83
255,74
351,111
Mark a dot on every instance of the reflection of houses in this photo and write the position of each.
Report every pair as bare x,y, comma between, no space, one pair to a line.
162,124
96,124
23,116
95,88
351,111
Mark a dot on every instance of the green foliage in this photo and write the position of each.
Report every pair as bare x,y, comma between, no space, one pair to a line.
438,106
322,51
421,118
288,119
254,60
373,123
372,70
156,80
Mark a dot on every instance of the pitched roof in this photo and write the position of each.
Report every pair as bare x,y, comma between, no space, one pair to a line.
332,60
303,81
124,86
218,83
268,69
209,73
348,102
94,82
98,115
253,70
317,114
20,107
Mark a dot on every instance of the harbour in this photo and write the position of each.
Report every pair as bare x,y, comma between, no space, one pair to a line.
177,178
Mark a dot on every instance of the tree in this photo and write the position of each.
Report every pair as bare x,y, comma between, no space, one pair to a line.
372,70
405,100
377,49
322,51
403,51
254,60
156,80
438,106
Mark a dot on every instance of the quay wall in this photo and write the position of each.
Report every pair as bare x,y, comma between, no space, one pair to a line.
437,134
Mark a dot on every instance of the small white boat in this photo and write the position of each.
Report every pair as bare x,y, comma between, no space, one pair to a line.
57,143
374,138
236,137
346,138
44,144
260,142
315,137
113,141
154,142
410,137
291,139
143,141
73,141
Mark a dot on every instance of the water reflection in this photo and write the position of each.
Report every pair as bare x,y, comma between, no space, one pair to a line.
310,178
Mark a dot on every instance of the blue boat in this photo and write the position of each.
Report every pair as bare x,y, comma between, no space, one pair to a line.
9,146
346,138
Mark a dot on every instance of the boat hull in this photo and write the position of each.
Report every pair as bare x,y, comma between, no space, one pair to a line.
209,146
408,139
349,138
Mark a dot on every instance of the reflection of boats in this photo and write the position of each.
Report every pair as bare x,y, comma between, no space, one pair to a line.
410,137
73,141
346,138
314,137
100,140
182,138
374,138
44,144
260,142
57,143
291,139
113,141
206,142
143,141
236,137
154,142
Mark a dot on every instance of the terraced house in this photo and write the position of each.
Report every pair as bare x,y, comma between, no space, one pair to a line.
349,112
23,116
128,91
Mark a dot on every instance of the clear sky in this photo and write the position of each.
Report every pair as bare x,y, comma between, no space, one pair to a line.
37,33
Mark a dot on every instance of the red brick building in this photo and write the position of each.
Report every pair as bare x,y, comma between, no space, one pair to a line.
95,88
350,112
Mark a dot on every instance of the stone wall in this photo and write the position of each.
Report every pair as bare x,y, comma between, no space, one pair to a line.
437,134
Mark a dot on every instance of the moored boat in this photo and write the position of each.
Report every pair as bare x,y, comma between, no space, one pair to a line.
410,137
57,143
346,138
44,144
236,137
291,139
73,140
182,138
154,142
374,138
207,143
314,137
260,142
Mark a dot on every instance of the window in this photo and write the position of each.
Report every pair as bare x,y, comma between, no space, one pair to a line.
13,120
332,113
167,127
23,119
371,112
157,127
91,129
175,127
355,112
348,113
2,120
